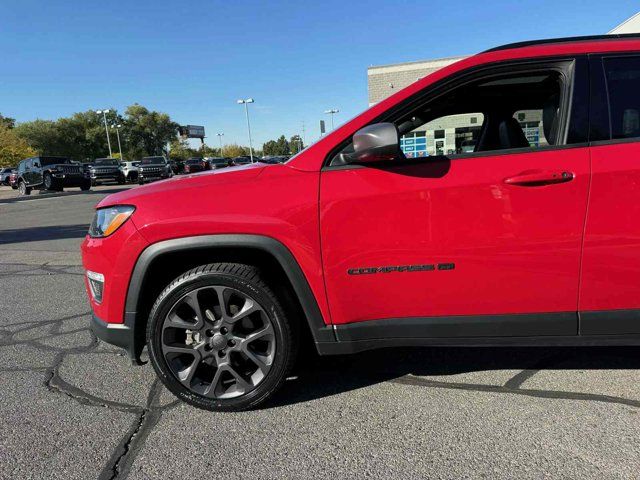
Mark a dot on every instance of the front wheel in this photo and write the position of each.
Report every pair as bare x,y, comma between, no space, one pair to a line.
85,186
23,189
48,181
219,339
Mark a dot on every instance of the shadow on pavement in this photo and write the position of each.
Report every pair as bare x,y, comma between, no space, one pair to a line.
35,234
319,377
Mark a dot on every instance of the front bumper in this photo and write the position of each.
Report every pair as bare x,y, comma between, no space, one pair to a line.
106,176
70,180
119,334
152,175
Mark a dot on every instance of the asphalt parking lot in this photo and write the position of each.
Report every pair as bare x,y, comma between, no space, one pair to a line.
72,407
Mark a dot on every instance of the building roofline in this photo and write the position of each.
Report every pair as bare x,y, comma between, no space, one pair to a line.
623,23
416,62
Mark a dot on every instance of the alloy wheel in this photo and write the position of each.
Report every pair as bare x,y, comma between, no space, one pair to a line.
218,342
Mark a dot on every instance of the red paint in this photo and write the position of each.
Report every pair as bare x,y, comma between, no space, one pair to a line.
516,246
611,263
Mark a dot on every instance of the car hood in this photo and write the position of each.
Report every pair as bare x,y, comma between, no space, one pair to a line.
190,184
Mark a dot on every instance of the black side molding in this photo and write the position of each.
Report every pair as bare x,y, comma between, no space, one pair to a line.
320,331
525,325
610,322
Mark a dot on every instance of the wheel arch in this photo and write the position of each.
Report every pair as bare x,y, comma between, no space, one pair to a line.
160,262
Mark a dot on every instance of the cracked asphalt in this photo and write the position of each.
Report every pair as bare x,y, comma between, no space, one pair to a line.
72,407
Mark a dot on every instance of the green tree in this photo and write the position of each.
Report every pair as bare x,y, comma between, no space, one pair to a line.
147,132
179,150
283,146
276,147
233,150
81,136
296,144
13,148
270,147
7,122
207,151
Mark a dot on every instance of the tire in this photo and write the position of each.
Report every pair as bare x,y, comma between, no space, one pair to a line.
229,361
49,183
23,189
85,186
121,180
140,181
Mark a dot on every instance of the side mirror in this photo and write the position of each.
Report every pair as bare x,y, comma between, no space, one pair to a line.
375,143
36,164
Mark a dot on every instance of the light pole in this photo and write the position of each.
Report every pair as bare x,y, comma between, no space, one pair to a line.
220,135
118,127
332,112
246,102
106,129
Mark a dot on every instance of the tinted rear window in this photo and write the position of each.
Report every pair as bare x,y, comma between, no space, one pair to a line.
148,160
53,160
623,88
106,161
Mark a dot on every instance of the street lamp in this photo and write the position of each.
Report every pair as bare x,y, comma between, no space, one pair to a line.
246,102
106,129
331,112
220,135
118,127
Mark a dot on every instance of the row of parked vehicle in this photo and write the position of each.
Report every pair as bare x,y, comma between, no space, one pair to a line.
57,173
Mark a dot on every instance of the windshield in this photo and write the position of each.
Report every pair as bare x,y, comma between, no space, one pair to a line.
150,160
105,161
53,160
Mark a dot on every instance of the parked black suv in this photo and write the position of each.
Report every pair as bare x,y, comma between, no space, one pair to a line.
154,168
106,170
51,173
220,162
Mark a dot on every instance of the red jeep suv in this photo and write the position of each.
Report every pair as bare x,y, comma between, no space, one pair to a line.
493,202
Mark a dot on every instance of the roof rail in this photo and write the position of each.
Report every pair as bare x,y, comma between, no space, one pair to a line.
529,43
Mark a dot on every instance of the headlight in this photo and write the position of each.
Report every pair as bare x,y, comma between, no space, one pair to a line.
108,220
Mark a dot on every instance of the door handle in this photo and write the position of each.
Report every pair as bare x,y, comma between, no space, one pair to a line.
534,178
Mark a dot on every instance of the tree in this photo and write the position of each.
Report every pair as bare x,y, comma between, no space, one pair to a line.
270,147
296,144
13,148
276,147
7,122
81,136
233,150
147,132
179,150
207,151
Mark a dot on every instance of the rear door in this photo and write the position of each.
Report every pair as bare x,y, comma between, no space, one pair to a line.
610,289
484,243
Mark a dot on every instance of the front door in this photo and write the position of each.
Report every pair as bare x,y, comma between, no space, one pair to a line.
487,242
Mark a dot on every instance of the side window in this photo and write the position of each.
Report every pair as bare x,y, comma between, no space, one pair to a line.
503,110
531,123
622,75
446,135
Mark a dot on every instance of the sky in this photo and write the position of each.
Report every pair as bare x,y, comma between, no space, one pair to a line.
194,59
